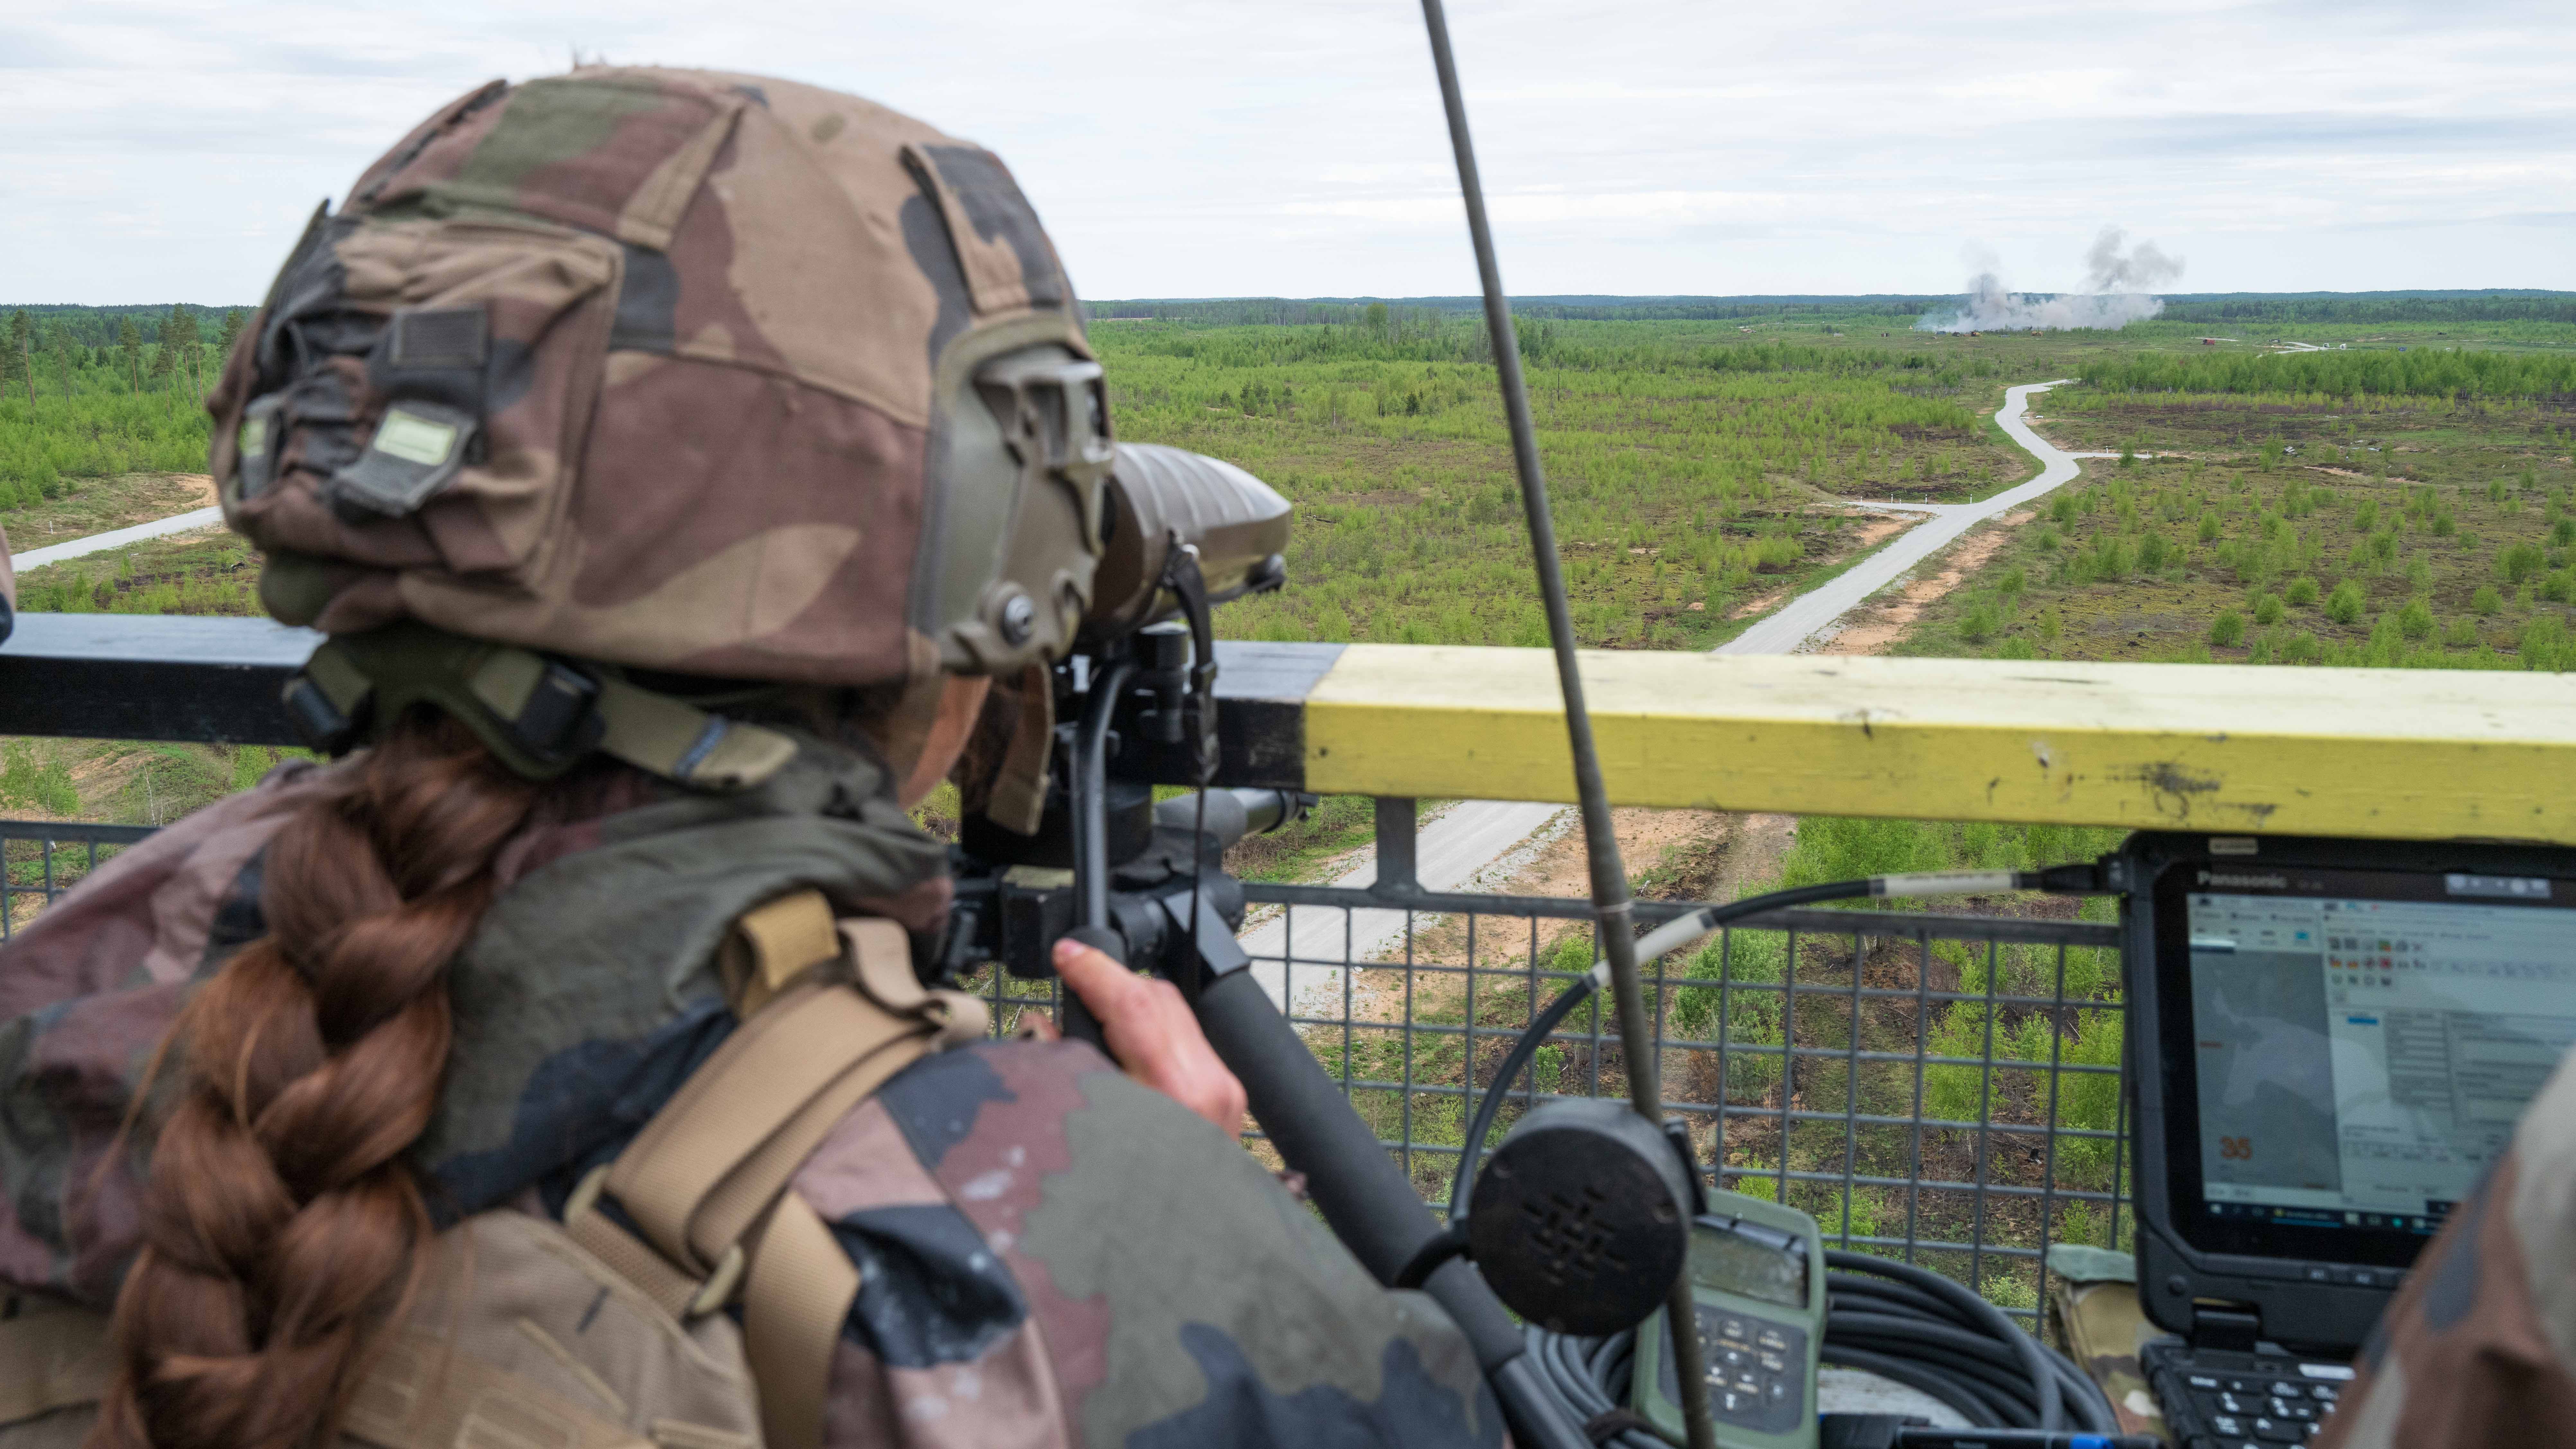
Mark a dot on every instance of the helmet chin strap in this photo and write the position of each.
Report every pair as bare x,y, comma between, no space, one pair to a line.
539,714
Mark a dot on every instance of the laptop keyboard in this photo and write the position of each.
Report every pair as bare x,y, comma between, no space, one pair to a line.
2217,1400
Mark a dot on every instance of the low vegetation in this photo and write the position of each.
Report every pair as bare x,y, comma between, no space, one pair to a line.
2376,531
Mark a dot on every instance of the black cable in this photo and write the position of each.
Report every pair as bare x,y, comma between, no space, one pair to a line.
1903,1323
1522,1051
1971,1404
1672,934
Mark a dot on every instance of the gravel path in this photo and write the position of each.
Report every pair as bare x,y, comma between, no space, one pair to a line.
36,558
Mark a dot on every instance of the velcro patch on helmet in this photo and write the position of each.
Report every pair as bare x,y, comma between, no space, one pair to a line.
1008,262
418,448
256,448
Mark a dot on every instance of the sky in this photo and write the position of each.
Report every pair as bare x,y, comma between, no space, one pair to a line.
163,152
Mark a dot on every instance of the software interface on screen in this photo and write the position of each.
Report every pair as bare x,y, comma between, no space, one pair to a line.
2361,1061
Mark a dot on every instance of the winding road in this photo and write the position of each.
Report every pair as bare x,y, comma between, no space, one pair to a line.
1814,612
1481,842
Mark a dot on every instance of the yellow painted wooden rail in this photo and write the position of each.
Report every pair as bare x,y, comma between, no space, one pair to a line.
2414,754
2404,754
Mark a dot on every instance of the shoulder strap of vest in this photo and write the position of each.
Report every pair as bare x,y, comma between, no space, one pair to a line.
704,1185
832,1009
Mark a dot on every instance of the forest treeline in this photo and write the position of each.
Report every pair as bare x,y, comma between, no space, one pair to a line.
73,408
2380,372
2433,307
2488,306
1292,312
1380,333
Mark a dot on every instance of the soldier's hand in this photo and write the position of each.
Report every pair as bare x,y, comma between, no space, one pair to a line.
1152,1033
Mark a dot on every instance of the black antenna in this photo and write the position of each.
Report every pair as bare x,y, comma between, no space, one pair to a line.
1610,904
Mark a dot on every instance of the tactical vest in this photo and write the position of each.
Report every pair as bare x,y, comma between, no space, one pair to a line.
617,1328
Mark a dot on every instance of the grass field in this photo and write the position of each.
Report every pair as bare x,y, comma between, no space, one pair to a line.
2294,527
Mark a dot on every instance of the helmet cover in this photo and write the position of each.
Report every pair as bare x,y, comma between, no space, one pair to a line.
713,374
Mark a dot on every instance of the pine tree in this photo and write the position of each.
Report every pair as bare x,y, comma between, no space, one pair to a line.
18,362
129,347
233,324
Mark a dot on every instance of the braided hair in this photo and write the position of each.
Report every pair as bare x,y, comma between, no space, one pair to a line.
281,1221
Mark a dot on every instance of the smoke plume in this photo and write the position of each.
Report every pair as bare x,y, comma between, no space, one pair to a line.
2114,295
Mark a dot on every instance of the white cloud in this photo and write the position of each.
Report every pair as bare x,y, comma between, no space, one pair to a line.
1213,147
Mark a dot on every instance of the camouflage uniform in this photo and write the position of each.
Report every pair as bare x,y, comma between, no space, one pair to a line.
2480,1345
691,373
1051,1254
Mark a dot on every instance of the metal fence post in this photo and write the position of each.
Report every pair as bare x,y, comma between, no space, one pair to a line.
1396,835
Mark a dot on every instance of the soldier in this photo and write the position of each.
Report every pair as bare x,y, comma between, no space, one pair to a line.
688,469
2479,1347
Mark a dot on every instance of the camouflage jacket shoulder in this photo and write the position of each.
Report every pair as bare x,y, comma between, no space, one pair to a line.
1050,1254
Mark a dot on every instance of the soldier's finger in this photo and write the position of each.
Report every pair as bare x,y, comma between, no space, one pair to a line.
1152,1033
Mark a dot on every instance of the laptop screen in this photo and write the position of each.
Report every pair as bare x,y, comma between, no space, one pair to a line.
2360,1045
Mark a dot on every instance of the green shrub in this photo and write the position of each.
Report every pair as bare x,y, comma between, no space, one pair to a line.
2462,633
1979,621
2365,515
2519,561
2151,553
2208,527
2544,644
1751,1018
2013,582
2303,591
2563,532
2415,621
2559,587
2228,630
2267,610
2013,648
2302,650
2486,600
2344,604
27,783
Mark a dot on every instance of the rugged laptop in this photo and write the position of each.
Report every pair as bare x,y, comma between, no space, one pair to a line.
2331,1040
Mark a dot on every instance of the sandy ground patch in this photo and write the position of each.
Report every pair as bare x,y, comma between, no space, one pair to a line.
1884,621
105,504
1672,854
1763,605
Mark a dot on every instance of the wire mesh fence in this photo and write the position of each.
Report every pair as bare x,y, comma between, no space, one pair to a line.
1944,1089
39,860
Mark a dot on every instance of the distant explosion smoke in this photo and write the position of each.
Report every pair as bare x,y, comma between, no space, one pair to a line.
2114,295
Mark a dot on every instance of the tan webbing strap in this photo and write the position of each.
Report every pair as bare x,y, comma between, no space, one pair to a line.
736,1203
710,1172
763,1075
671,1290
53,1356
771,945
801,1288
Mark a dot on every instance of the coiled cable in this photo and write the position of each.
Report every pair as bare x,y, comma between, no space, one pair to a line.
1893,1319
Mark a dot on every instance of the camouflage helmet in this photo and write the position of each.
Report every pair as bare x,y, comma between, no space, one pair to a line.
711,374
